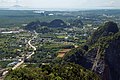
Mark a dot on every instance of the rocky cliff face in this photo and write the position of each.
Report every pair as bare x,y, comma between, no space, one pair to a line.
112,57
103,55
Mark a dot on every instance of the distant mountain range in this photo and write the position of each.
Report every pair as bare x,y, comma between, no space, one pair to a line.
19,7
16,7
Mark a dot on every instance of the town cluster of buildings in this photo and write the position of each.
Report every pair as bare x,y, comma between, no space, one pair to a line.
5,31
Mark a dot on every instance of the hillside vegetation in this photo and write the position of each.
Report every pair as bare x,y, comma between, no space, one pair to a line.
102,55
67,71
98,59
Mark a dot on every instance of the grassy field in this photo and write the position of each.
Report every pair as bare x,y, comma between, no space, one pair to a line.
61,36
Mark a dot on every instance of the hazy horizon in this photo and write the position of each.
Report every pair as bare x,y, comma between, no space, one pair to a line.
63,4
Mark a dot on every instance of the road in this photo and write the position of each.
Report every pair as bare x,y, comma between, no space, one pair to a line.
34,48
28,56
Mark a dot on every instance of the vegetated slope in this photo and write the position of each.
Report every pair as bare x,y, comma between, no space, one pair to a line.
77,23
57,23
106,29
77,56
32,26
67,71
103,53
102,56
105,57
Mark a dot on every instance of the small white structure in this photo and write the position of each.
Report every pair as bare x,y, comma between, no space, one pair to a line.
4,73
50,14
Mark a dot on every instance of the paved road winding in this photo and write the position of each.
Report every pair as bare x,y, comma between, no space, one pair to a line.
28,56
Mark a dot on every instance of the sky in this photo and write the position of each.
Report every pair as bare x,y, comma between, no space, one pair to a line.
77,4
